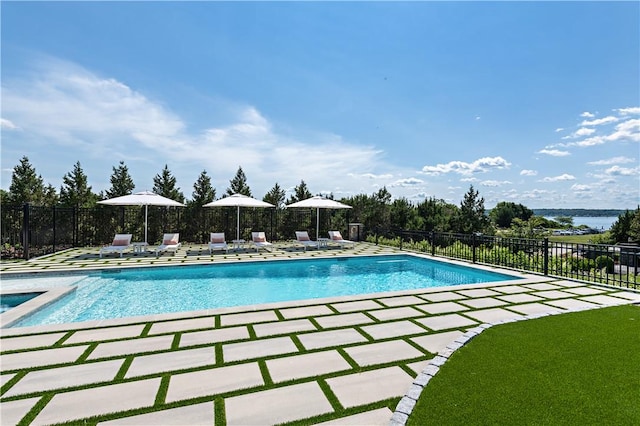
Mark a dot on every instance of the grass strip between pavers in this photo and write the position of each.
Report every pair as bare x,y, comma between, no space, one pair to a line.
575,368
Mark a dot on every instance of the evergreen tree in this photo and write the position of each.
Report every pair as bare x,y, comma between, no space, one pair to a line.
50,197
504,212
300,192
275,196
75,191
471,216
436,214
26,186
121,182
164,184
238,185
627,227
203,192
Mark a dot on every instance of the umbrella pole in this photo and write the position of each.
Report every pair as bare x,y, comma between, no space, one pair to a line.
146,207
238,224
317,223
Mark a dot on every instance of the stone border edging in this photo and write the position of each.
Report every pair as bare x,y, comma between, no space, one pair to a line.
410,398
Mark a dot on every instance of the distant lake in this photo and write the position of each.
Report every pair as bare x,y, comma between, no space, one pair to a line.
595,222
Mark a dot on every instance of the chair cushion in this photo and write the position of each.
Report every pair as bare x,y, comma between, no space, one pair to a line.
259,240
304,238
217,240
337,237
169,242
120,242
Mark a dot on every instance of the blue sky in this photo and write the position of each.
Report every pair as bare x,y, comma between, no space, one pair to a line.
535,103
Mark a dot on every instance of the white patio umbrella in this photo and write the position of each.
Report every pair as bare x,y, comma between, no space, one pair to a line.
318,202
238,200
144,198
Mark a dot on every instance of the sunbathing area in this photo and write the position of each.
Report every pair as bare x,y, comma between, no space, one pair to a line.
341,360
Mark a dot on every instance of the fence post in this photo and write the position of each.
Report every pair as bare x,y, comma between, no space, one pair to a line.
545,266
473,247
54,229
25,230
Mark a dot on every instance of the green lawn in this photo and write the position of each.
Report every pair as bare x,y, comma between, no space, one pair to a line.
573,369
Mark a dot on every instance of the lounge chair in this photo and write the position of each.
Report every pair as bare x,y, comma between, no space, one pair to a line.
336,237
170,242
303,238
260,241
218,242
120,243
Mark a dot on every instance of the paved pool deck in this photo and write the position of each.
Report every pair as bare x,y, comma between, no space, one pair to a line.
345,360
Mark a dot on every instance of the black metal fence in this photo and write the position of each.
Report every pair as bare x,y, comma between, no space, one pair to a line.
29,231
617,265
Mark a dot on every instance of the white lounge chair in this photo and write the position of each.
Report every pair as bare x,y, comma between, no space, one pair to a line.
120,243
260,241
336,237
170,242
217,241
303,238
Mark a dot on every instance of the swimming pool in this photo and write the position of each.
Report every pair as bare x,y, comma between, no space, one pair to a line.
146,291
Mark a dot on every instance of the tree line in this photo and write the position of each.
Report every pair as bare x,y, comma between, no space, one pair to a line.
374,211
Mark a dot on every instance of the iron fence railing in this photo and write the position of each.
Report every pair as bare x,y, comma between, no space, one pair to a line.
617,265
27,231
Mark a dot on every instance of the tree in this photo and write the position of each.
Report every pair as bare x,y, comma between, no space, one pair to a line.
121,182
471,216
203,192
275,196
238,185
26,186
627,227
437,214
300,192
50,197
75,191
164,184
504,212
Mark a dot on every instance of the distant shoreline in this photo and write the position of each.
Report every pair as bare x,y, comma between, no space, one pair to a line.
579,212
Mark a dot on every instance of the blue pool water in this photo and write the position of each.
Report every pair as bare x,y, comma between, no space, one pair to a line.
146,291
8,301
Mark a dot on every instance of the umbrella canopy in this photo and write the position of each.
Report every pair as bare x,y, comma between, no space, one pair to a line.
318,202
144,198
238,200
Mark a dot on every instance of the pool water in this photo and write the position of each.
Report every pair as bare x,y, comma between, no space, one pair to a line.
8,301
147,291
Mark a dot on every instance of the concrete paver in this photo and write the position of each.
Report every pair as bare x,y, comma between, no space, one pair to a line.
171,361
306,311
283,327
213,336
436,342
393,329
65,377
493,315
182,325
30,342
442,307
479,292
248,318
343,320
520,298
64,407
356,389
396,313
553,294
133,346
11,412
484,302
444,322
358,305
444,296
213,381
419,366
331,338
627,295
306,365
278,405
542,286
533,308
401,301
101,334
379,417
258,348
571,304
193,415
510,289
4,378
41,358
381,353
584,291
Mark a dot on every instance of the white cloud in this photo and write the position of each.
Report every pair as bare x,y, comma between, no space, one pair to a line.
622,171
406,182
559,129
587,114
7,124
614,160
554,152
371,175
629,111
599,121
469,179
580,188
481,165
583,131
528,173
494,183
563,177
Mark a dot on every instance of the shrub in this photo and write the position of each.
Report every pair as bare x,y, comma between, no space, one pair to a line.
605,262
